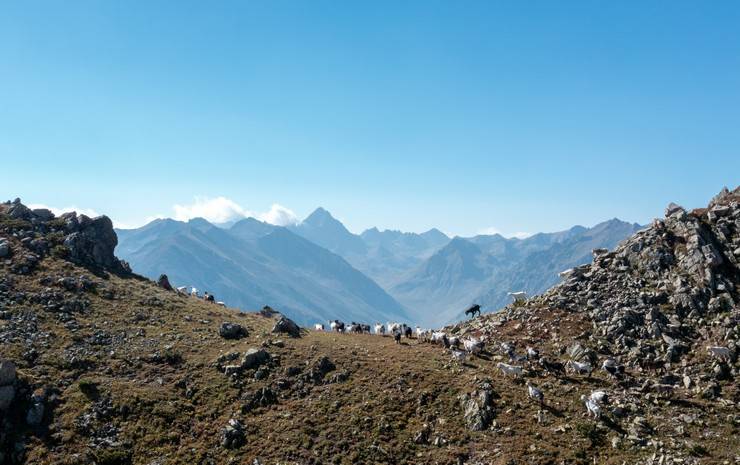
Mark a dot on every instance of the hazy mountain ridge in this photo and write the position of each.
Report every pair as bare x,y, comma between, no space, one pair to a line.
252,264
482,269
426,277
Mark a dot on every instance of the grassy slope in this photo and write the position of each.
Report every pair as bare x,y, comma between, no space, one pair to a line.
370,418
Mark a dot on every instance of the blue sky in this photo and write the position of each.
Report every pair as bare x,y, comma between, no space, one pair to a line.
466,116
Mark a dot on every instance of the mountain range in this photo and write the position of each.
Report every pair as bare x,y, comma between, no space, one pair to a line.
318,270
252,264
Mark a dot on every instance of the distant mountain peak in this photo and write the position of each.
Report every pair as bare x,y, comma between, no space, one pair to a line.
318,216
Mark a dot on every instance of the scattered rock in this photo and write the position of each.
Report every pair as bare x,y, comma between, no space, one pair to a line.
232,331
287,326
253,358
478,411
233,436
164,282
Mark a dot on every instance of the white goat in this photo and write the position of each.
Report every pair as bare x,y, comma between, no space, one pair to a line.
221,304
535,394
591,407
194,292
379,329
458,356
473,346
318,327
182,290
599,397
566,273
509,369
437,337
722,353
519,296
580,368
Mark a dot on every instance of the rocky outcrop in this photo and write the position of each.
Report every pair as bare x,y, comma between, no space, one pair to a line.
92,242
477,407
86,241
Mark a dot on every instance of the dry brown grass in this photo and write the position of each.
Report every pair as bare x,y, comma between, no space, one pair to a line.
392,391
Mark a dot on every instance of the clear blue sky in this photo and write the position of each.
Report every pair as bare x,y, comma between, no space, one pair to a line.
516,116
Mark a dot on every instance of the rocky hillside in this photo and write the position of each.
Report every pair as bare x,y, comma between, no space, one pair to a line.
100,366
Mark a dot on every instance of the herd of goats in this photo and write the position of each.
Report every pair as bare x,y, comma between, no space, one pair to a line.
460,348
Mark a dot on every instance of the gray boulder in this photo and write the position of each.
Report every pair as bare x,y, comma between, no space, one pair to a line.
253,358
7,372
232,436
232,331
4,248
287,326
35,414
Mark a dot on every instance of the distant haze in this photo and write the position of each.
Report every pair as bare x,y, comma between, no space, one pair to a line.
315,270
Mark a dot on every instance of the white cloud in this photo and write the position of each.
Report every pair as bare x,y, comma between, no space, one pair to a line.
279,216
217,210
222,210
490,231
58,211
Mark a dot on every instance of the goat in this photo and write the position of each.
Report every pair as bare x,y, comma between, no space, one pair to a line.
599,397
611,366
437,337
566,273
580,368
337,326
519,296
552,367
535,394
318,327
454,341
591,407
473,346
722,353
182,290
379,329
532,353
473,310
365,328
194,292
458,356
407,331
507,369
221,304
507,348
397,336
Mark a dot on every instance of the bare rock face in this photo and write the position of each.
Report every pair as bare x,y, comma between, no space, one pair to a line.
86,241
477,407
92,242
